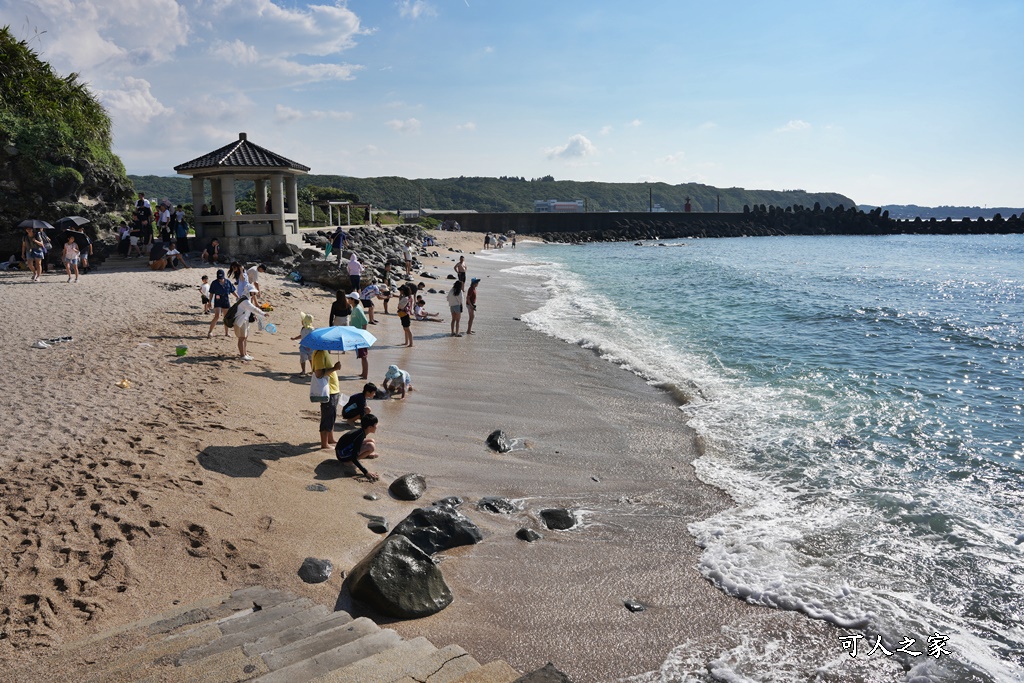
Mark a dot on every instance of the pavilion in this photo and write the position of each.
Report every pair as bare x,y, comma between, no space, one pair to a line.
275,222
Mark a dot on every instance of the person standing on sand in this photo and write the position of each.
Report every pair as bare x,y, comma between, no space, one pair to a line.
471,304
243,312
455,302
407,255
33,250
321,365
355,269
71,256
221,291
405,312
460,270
341,309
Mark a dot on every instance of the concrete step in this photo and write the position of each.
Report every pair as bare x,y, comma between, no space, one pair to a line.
258,628
444,666
336,658
317,643
237,624
296,633
383,667
497,671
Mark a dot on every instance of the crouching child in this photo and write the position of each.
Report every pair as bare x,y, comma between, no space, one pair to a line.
358,445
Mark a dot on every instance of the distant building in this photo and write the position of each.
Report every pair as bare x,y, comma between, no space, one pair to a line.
555,206
658,208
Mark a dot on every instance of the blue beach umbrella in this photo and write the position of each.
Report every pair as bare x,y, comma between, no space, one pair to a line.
338,338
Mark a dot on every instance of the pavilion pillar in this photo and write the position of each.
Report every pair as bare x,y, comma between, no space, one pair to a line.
292,185
227,205
198,199
261,196
277,203
215,193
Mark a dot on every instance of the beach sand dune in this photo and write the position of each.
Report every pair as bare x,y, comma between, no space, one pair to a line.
195,479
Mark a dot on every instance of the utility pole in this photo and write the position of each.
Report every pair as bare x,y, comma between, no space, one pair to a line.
719,202
650,199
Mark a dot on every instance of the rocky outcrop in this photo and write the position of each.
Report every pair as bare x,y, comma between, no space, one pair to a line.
438,528
400,580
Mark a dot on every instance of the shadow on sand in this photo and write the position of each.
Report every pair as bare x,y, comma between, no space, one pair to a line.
250,460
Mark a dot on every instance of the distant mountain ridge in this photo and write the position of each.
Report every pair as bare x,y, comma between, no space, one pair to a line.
511,194
910,211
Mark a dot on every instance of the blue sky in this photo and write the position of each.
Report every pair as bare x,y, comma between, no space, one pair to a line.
886,102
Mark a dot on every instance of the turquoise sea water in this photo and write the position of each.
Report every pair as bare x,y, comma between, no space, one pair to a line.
861,400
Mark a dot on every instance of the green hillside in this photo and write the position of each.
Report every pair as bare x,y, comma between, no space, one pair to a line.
509,194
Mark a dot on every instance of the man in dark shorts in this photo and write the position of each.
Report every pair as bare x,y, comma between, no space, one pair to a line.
221,291
369,293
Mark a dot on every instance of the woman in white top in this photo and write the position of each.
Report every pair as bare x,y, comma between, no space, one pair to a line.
242,324
355,269
455,303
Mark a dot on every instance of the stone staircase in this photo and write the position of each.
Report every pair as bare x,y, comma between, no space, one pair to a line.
259,634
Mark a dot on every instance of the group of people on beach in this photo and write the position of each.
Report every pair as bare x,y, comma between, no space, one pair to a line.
244,285
36,244
495,241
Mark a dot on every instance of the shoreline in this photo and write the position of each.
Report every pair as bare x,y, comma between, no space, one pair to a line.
223,459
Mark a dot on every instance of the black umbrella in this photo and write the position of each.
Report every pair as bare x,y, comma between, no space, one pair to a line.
71,222
35,224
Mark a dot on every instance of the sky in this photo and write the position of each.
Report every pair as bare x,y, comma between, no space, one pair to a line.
885,101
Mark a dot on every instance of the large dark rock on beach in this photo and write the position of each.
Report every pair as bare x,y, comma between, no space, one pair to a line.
499,441
408,487
400,580
558,519
315,571
438,528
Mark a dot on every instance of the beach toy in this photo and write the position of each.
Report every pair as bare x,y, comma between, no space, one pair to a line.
180,350
124,384
271,328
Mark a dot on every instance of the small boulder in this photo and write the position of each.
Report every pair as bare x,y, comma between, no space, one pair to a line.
315,571
438,528
400,580
558,519
450,501
634,606
499,506
499,441
547,674
408,487
371,496
316,487
528,535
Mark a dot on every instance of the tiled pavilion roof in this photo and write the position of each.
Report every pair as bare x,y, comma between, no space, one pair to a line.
240,155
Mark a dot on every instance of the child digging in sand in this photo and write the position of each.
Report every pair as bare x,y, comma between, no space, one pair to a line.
356,407
397,381
359,445
304,354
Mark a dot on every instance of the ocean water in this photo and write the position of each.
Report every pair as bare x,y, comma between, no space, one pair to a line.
860,399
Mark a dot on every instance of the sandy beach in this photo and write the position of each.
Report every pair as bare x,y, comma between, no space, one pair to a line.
119,502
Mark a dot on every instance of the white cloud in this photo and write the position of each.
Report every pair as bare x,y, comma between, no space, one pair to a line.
414,9
793,126
285,114
636,123
306,73
577,147
672,159
606,130
489,50
707,125
469,125
133,101
235,52
407,126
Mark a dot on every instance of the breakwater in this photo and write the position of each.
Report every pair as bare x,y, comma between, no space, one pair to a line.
759,221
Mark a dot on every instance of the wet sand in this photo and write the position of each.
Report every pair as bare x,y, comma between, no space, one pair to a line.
116,503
